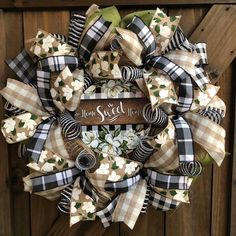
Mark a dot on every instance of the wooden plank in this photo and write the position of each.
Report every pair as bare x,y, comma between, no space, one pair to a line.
5,188
218,30
233,187
79,3
86,228
192,219
221,188
6,4
43,212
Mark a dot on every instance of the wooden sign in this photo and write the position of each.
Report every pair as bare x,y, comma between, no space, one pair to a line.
111,111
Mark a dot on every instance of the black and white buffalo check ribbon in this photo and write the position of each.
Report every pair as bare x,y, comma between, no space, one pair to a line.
92,37
24,67
166,181
188,165
145,35
106,214
176,73
36,143
54,180
122,186
162,203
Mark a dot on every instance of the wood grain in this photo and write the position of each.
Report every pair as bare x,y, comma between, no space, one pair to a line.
74,3
5,187
221,187
218,30
233,192
43,212
192,219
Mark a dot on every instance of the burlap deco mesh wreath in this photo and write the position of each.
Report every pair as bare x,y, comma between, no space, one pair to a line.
112,176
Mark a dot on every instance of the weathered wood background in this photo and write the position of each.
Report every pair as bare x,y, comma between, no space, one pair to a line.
212,208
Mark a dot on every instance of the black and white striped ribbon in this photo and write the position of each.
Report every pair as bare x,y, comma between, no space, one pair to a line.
193,168
213,113
65,200
85,160
60,37
76,28
88,81
131,73
71,128
115,45
12,110
142,152
21,150
146,200
157,117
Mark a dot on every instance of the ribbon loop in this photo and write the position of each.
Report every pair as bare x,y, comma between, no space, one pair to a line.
131,73
85,161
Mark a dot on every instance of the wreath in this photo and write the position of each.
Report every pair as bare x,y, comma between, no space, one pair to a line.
114,175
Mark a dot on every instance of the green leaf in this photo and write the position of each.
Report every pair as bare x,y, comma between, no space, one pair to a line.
114,166
157,20
105,129
125,176
13,132
77,205
101,157
21,124
43,55
64,100
60,162
197,101
40,42
158,145
116,133
173,192
50,50
173,28
161,15
157,28
65,166
172,18
51,160
93,61
156,93
55,49
101,134
111,66
33,117
41,35
162,86
61,83
112,57
153,87
165,24
106,58
163,193
90,215
166,130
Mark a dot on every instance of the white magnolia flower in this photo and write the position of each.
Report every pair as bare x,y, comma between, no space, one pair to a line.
119,162
70,163
90,138
47,43
43,156
132,139
73,209
77,85
48,167
165,31
75,193
67,92
74,219
109,149
164,44
164,81
114,177
95,70
212,91
9,125
164,93
203,98
103,169
90,90
116,71
29,124
112,88
88,207
101,55
130,167
37,50
21,136
113,141
53,92
105,65
57,81
34,166
171,133
161,139
62,49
